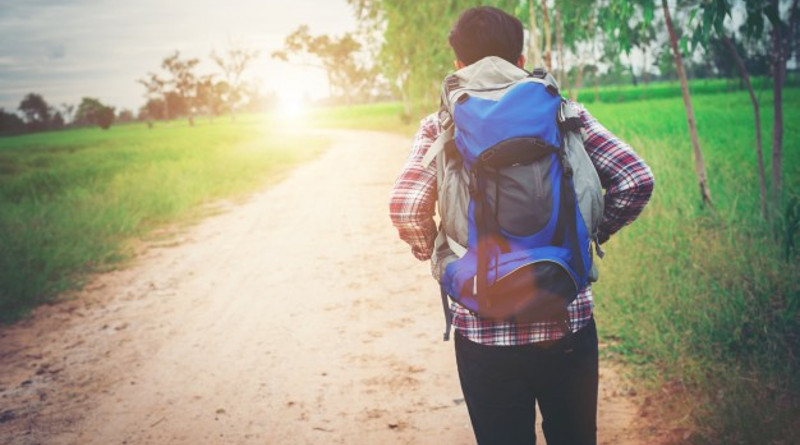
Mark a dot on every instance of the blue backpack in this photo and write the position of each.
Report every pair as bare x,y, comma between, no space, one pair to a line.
528,249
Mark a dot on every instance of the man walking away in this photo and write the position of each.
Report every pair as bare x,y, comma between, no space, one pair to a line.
506,366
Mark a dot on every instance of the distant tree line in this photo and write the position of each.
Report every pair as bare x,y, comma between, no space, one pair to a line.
179,91
176,93
38,115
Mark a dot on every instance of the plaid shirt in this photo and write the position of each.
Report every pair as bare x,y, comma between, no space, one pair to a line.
628,183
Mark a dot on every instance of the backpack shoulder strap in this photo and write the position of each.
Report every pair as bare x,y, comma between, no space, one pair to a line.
446,121
447,135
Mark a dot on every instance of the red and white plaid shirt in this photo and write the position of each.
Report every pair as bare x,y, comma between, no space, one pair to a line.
628,183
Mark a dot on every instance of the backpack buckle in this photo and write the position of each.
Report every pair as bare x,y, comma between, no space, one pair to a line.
568,172
571,124
445,119
451,82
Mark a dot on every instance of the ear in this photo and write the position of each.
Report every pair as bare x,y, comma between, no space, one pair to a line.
459,64
521,61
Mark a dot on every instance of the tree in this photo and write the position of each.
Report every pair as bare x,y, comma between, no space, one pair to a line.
415,62
66,112
548,57
56,122
534,45
757,115
699,161
722,58
784,41
183,81
666,65
176,104
155,88
337,56
619,16
92,112
782,17
105,117
125,116
36,111
211,97
233,65
10,123
576,37
152,110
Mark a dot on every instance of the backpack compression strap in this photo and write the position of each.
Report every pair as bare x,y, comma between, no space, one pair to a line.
448,316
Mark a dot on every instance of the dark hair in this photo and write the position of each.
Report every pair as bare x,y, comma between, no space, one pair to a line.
486,31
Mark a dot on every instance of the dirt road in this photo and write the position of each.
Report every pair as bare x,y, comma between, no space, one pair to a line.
296,317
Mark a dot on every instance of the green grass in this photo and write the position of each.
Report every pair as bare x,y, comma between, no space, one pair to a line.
705,306
389,117
670,89
73,200
708,301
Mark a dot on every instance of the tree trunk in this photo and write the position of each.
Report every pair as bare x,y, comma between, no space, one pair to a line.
535,51
581,65
782,46
596,86
547,43
562,69
578,82
759,148
644,67
700,164
778,75
644,72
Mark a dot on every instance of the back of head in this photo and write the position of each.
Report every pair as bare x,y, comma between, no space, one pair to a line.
486,31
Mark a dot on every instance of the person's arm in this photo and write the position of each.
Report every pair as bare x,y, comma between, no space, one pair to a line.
627,180
413,200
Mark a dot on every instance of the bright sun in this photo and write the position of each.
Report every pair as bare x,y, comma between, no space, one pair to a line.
292,106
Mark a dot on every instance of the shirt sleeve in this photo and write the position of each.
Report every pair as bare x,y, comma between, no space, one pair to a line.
626,178
412,204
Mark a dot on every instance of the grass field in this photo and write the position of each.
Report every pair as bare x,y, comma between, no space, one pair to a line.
669,89
708,302
73,200
705,305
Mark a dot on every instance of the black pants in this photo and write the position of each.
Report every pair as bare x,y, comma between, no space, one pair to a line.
501,385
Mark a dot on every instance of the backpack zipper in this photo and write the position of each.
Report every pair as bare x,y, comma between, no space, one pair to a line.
535,262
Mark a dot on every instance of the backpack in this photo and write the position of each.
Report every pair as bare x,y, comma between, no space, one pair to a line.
519,199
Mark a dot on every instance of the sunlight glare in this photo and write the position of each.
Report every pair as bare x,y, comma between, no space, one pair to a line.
292,106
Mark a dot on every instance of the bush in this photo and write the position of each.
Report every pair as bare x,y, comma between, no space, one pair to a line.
105,117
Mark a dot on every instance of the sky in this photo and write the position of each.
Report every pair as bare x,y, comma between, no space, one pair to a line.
68,49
